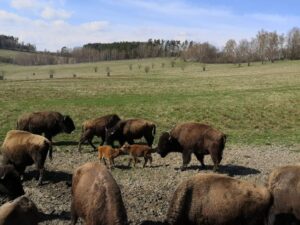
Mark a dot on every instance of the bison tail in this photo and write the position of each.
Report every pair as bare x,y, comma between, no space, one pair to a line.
153,129
224,138
50,148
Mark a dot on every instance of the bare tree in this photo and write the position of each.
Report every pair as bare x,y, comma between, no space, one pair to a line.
293,43
262,38
272,46
230,51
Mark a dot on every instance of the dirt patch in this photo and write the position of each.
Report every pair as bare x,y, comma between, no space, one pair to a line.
146,192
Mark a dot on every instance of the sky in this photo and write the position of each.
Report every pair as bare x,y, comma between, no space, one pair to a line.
53,24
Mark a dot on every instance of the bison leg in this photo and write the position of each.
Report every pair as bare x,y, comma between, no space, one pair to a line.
150,159
146,160
91,143
129,162
40,177
149,140
186,158
216,162
111,163
74,216
200,157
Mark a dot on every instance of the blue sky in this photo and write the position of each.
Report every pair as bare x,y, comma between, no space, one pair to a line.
52,24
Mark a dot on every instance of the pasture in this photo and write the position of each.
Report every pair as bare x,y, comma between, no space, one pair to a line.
254,105
257,107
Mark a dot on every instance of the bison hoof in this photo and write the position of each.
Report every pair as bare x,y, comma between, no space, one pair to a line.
183,168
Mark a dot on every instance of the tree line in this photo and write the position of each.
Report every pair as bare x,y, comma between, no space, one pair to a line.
12,43
265,46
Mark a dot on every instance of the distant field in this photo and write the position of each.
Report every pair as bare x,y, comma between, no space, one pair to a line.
254,105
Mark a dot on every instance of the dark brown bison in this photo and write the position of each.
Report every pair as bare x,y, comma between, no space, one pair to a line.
96,196
196,138
128,130
97,127
10,183
136,151
214,199
284,184
48,123
21,211
21,149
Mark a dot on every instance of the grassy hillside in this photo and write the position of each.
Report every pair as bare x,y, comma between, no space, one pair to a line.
253,105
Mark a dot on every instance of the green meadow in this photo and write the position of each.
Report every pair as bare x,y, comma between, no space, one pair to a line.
256,105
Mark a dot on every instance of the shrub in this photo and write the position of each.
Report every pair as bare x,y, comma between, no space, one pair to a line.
147,69
173,63
108,71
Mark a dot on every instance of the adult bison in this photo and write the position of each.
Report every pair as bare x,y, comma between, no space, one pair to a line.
21,211
97,127
21,149
96,197
214,199
284,184
188,138
50,123
128,130
10,183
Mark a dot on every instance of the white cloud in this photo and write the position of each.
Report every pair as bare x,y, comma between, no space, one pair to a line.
24,4
176,8
95,25
10,18
52,13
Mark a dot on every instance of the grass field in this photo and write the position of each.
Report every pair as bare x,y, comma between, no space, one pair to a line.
254,105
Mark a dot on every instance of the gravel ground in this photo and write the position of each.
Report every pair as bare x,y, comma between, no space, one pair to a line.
146,191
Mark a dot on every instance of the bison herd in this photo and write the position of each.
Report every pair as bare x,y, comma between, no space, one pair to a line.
204,199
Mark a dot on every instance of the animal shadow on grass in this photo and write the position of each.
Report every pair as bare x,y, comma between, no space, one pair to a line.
230,170
54,216
49,176
62,143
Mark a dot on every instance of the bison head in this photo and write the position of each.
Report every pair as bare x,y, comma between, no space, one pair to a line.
112,134
166,144
10,182
68,124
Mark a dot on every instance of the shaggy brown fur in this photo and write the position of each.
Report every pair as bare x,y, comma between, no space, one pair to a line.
21,211
97,127
128,130
108,153
284,184
213,199
136,151
21,149
196,138
50,123
96,197
10,182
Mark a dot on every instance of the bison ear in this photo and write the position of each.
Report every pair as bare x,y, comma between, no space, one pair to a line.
66,117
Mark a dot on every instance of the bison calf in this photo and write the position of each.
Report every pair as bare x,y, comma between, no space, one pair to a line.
214,199
21,211
196,138
21,149
10,182
97,127
96,197
108,153
284,184
136,151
